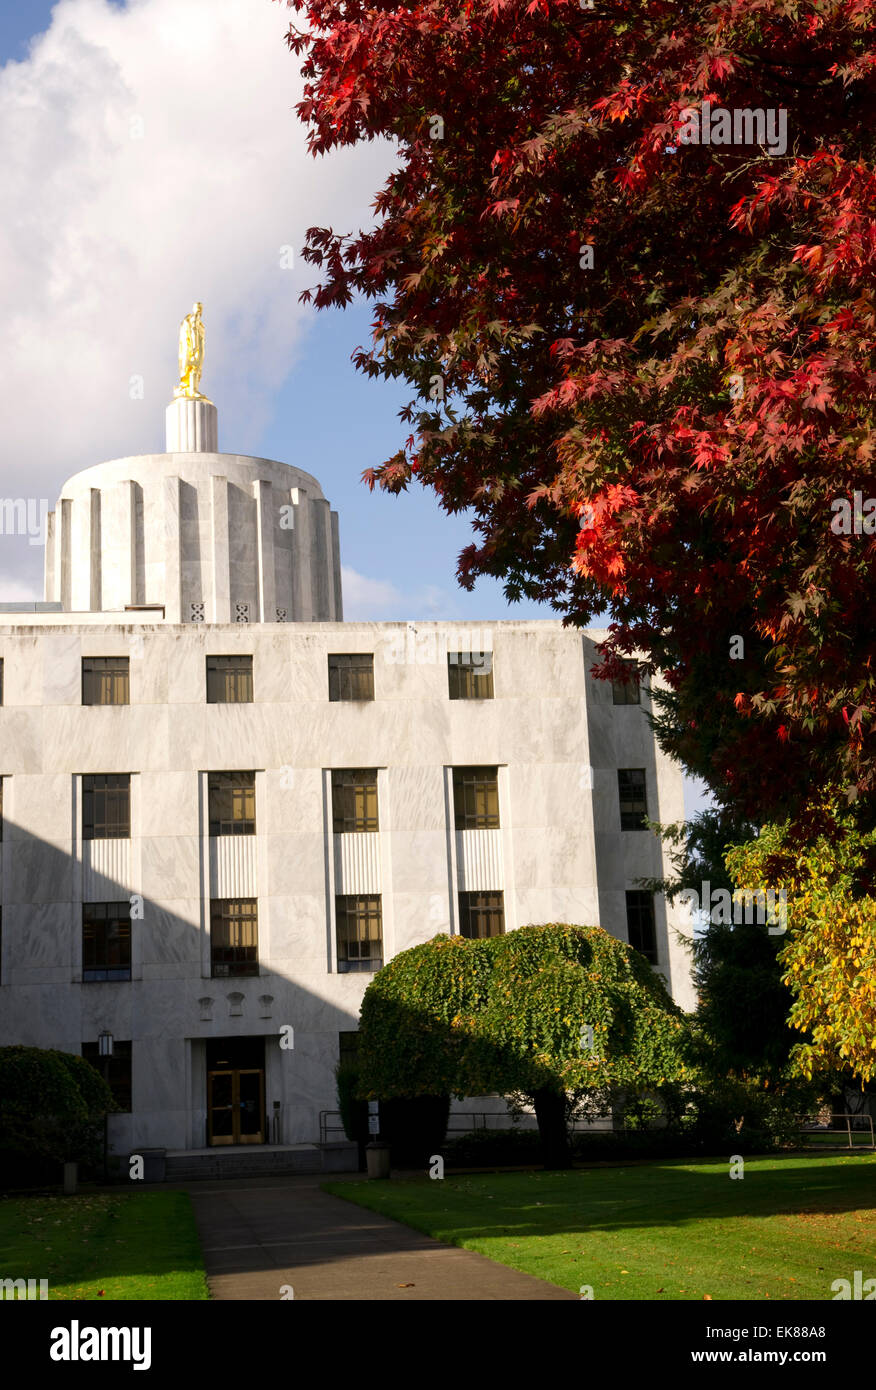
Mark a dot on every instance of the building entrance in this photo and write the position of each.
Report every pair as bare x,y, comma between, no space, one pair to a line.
236,1091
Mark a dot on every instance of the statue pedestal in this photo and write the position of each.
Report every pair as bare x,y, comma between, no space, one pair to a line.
192,426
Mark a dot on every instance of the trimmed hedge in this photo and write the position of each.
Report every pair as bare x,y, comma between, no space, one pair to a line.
493,1148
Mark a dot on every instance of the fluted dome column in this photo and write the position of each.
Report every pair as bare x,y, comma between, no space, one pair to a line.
192,426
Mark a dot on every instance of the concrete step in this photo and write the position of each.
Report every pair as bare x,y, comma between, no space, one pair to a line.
259,1163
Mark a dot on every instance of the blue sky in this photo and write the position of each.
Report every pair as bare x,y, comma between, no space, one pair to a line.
109,239
332,421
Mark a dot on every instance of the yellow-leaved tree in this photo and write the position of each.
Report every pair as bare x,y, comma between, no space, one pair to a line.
824,865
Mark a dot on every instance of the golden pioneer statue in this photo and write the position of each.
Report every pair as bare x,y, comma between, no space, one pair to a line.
191,355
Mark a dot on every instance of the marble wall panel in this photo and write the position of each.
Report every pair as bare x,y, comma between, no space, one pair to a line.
170,866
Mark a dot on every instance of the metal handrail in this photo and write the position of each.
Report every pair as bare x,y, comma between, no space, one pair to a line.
527,1123
325,1128
864,1120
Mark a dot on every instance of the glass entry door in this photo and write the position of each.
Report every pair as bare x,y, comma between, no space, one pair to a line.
236,1106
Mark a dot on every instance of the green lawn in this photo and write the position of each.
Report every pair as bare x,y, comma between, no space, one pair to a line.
670,1230
128,1246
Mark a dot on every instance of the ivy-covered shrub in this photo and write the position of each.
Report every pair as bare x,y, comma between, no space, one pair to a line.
551,1013
411,1032
52,1107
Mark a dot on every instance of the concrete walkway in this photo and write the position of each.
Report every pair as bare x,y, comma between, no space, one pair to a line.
259,1234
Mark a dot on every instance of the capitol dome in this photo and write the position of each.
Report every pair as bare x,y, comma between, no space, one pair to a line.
208,537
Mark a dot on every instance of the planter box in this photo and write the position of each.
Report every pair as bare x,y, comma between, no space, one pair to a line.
342,1157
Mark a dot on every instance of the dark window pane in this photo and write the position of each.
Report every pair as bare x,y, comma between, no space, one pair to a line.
117,1070
476,798
348,1046
633,801
106,941
231,802
106,806
105,680
481,914
234,941
470,675
229,680
627,692
354,800
351,676
641,931
359,931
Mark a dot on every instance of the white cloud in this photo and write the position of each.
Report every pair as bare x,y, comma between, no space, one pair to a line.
14,589
378,600
151,156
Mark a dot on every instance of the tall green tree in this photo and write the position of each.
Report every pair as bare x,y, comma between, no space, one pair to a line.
735,956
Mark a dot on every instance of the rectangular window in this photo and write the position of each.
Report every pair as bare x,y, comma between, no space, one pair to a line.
633,801
106,806
348,1047
481,914
231,802
118,1070
1,680
105,680
360,932
354,800
351,676
476,798
641,931
229,680
234,936
106,941
470,675
627,692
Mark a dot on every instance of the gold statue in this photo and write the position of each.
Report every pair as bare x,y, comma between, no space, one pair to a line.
191,355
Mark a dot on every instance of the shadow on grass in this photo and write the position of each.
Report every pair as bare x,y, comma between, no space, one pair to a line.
668,1193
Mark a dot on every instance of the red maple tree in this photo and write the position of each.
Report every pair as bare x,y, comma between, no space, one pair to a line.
645,363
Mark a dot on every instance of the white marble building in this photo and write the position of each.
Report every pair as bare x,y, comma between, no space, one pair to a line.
223,807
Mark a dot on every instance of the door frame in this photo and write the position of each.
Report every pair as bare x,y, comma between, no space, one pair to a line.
236,1137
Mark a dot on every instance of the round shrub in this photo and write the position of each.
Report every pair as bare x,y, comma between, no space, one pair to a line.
52,1107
